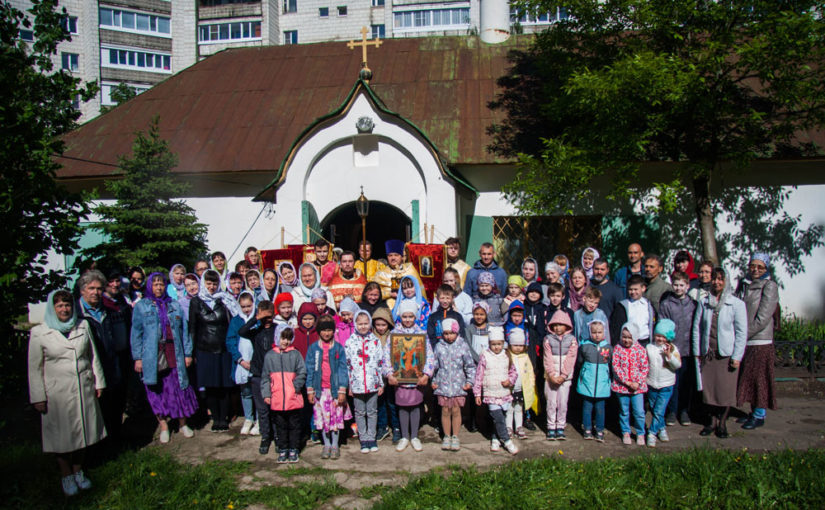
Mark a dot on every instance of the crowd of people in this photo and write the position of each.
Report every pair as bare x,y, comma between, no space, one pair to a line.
307,350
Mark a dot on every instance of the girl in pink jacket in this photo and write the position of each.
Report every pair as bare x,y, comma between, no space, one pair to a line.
560,350
630,369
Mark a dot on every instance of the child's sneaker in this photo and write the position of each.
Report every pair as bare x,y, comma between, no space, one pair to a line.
382,434
521,433
283,457
402,445
560,435
396,436
82,482
365,447
651,440
447,443
326,452
373,447
600,436
588,434
550,435
528,423
511,447
640,439
69,485
247,426
455,444
293,456
188,432
164,436
315,437
663,437
255,430
416,444
264,448
495,445
626,438
335,453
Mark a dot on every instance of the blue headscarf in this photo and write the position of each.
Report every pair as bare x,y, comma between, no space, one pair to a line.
51,319
419,298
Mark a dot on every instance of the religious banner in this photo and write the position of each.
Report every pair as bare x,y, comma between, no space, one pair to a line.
297,254
408,354
428,260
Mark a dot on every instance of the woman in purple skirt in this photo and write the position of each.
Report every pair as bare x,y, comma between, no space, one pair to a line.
160,345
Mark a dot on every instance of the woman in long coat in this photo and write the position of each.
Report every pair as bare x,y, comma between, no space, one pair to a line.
720,332
65,381
161,345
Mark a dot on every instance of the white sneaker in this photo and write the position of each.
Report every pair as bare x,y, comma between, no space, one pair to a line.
255,430
373,448
663,437
511,447
402,444
247,426
365,449
446,443
69,485
495,445
651,441
187,432
81,481
455,444
164,436
416,444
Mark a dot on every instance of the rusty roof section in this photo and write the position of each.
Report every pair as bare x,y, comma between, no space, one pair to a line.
242,109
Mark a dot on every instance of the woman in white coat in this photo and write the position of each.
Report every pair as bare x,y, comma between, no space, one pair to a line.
65,381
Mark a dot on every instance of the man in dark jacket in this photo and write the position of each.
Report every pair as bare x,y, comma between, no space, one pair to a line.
634,258
111,337
680,308
486,262
611,293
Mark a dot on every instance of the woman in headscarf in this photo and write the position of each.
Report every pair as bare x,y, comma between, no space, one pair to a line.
65,381
252,257
310,279
252,280
683,261
269,288
530,270
409,290
209,315
176,288
136,279
720,332
191,286
756,382
160,345
701,290
289,277
589,256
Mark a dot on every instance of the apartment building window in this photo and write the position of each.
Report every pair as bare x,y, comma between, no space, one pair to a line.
290,6
378,3
106,91
323,12
27,35
378,31
129,21
342,10
239,30
432,18
136,59
69,24
291,37
533,18
70,61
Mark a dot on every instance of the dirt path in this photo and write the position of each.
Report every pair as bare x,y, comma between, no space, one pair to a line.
798,424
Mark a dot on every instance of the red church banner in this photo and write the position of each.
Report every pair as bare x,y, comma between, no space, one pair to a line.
428,260
297,254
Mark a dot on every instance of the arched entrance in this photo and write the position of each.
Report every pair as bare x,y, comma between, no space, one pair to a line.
343,226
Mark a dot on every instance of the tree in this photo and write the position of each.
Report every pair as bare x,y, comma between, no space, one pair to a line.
145,226
706,86
120,94
36,101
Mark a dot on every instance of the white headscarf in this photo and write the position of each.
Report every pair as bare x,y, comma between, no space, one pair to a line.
209,299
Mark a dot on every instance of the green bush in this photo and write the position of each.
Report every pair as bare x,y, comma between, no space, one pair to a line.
797,328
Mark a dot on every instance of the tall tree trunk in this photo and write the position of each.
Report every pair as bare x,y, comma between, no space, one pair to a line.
704,215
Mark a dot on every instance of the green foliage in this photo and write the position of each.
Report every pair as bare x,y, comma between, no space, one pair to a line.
696,479
147,479
120,94
145,226
796,328
707,87
36,212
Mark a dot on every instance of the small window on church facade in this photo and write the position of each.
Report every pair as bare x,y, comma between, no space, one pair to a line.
323,12
342,10
291,37
290,6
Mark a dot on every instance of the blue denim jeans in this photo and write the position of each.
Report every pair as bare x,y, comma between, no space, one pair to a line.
588,405
636,405
657,401
246,401
680,399
387,412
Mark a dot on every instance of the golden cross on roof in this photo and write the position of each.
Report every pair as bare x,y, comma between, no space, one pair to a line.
363,44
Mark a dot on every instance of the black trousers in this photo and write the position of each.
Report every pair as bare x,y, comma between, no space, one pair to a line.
262,410
287,428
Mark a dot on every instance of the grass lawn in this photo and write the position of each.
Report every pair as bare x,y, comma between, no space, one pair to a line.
148,479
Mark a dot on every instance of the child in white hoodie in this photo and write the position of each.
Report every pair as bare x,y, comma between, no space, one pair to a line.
664,360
